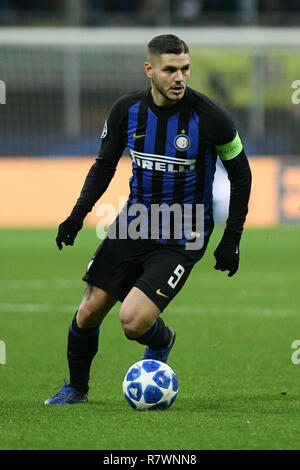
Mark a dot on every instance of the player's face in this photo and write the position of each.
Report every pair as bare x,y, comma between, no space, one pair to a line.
169,74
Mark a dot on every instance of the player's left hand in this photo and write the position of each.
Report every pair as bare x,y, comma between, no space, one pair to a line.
227,254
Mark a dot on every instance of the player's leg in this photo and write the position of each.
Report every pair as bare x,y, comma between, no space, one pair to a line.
138,313
97,301
94,306
165,271
140,319
83,338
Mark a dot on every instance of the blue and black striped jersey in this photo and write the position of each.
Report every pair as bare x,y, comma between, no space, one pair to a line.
173,150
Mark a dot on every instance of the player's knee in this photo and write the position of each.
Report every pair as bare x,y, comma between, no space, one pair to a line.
131,332
89,313
129,322
94,307
134,325
85,315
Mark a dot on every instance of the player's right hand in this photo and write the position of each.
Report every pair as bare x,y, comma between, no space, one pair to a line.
68,230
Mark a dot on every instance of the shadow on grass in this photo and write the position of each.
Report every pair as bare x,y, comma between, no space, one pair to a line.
263,403
269,403
281,403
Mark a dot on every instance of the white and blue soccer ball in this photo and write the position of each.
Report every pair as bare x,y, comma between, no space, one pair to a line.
150,384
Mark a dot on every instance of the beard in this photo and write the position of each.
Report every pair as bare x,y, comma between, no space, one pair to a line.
163,93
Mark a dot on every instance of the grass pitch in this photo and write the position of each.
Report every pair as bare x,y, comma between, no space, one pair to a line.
238,387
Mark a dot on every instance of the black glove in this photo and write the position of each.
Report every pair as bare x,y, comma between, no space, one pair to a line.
227,253
68,229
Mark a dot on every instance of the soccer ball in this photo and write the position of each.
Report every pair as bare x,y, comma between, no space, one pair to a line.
150,384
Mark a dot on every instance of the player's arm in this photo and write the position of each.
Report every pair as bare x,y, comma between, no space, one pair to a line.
236,163
97,179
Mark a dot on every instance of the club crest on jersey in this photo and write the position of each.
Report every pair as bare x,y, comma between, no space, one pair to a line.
182,142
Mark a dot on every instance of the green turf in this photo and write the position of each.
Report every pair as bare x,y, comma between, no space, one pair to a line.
238,388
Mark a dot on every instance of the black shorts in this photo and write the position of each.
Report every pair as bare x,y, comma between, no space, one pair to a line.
159,270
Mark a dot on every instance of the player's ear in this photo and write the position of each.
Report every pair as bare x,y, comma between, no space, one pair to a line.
148,69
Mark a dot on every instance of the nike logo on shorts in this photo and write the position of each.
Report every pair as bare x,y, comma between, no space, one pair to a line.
159,292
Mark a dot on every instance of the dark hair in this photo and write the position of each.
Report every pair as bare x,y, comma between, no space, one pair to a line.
167,44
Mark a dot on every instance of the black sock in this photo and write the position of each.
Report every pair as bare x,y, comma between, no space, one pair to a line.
82,348
157,337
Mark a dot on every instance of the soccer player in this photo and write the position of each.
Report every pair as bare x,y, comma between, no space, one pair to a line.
174,135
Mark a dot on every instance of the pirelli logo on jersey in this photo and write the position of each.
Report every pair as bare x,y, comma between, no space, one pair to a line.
162,162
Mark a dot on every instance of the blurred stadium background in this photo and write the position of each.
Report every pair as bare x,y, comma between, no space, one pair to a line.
63,63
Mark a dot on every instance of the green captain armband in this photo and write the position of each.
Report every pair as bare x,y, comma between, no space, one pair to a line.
231,149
